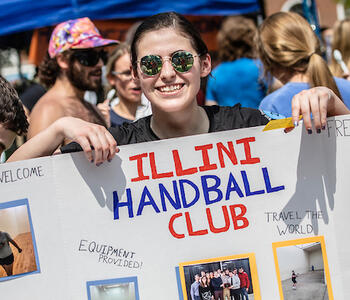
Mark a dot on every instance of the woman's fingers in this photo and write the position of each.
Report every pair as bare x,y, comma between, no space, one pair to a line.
104,145
97,143
85,144
313,105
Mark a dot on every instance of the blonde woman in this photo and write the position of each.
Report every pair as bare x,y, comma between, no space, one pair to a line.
289,50
341,42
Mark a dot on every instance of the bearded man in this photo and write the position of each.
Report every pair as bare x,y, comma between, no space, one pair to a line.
72,66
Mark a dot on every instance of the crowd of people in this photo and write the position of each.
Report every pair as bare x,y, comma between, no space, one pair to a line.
224,285
155,79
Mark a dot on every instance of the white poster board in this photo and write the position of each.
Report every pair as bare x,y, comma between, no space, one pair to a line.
142,225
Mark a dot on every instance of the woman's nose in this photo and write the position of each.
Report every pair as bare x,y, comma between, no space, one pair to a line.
167,72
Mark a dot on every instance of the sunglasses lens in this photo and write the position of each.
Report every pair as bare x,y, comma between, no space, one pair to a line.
104,56
182,61
90,58
151,65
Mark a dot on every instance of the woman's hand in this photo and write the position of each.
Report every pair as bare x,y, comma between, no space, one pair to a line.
321,102
104,109
89,136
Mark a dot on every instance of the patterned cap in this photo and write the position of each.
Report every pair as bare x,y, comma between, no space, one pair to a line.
76,34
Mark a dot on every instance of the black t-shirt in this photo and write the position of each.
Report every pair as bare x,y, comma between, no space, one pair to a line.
205,293
220,118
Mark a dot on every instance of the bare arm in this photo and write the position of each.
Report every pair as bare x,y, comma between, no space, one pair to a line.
84,133
16,245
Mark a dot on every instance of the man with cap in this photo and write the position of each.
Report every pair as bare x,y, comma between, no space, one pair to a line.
72,66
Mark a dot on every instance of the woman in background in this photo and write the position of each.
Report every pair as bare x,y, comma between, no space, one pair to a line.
341,42
129,104
169,58
237,79
204,289
289,50
6,254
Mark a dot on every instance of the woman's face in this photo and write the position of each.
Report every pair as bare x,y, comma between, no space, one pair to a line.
169,90
127,89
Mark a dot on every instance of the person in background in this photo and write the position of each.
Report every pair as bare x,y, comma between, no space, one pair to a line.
32,93
6,254
72,66
226,280
238,78
195,288
294,280
289,50
245,283
217,285
340,41
130,104
327,40
204,289
13,120
167,61
235,285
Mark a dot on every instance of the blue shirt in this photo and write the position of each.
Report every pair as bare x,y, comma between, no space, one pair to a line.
280,101
195,289
235,82
117,120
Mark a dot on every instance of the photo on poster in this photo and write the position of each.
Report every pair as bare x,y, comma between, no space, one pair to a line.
113,289
18,252
302,269
222,277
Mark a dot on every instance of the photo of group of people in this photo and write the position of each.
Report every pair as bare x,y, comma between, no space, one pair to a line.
302,269
113,289
17,247
227,278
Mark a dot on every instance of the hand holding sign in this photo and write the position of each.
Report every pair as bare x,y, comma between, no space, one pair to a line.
88,135
321,102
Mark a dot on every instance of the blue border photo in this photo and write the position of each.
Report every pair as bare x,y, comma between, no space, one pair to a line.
16,203
114,281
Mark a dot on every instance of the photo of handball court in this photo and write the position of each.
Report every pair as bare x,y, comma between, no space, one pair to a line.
307,262
15,222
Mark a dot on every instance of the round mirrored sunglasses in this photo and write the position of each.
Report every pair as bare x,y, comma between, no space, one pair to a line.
182,62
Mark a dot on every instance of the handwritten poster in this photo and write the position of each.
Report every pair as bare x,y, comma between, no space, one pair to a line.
144,225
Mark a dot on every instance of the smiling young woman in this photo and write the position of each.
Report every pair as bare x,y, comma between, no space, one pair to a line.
169,58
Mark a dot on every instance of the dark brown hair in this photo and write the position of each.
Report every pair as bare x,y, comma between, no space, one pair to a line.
49,69
168,20
236,38
12,114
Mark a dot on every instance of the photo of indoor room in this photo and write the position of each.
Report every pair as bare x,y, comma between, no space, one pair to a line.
109,290
14,223
302,272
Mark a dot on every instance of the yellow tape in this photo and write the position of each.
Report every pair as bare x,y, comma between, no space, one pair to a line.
280,123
